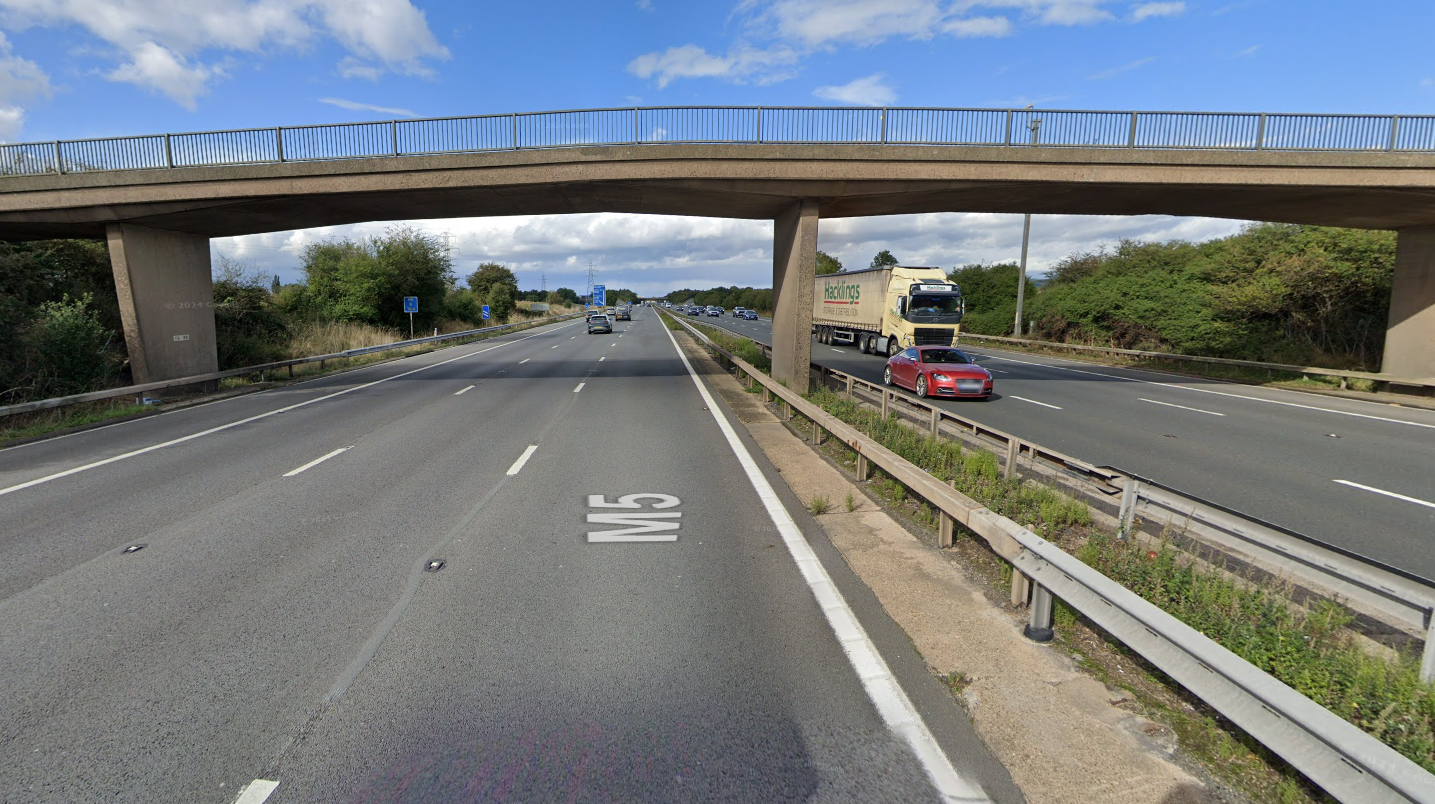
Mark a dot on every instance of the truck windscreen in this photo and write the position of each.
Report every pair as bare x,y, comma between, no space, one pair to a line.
936,309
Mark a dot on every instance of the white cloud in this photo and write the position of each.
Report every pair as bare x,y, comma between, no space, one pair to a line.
1250,51
654,254
972,27
1125,68
162,43
12,119
158,68
794,29
1146,11
869,91
741,65
20,80
367,107
350,67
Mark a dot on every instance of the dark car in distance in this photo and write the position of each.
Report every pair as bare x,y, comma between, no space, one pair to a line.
938,371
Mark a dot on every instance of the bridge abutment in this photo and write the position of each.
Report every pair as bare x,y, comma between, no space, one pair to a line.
1410,335
794,271
166,299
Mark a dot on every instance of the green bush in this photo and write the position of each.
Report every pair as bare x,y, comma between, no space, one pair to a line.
68,348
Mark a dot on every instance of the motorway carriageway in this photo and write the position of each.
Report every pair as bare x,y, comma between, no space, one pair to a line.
412,582
1357,474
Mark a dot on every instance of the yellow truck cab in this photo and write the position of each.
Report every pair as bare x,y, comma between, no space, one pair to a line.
884,310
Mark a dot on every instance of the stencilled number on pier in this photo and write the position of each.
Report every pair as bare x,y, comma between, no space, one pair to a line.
640,525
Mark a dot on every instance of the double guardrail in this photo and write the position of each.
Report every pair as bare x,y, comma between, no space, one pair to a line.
1059,128
261,369
1387,594
1346,762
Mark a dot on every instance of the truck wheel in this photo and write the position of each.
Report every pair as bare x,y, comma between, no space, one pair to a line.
892,346
864,343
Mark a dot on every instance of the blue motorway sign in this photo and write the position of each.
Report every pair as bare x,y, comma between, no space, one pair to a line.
411,304
485,312
600,295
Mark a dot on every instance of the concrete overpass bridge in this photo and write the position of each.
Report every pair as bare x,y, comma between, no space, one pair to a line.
159,198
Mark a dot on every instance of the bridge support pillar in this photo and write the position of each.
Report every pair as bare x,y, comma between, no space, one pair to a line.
166,298
794,271
1410,335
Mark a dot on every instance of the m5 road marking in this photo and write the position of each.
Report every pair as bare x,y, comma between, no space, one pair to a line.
642,526
256,792
522,459
317,461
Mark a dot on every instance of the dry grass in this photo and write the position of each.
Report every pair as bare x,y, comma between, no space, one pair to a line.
326,338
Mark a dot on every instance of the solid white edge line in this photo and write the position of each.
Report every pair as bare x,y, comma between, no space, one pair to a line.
1034,402
317,461
470,388
151,448
580,387
256,792
1396,495
1174,405
1219,393
891,702
522,459
524,360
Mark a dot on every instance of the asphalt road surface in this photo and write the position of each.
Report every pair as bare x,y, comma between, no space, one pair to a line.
1356,474
281,623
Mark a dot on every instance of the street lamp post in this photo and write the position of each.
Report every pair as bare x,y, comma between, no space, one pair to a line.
1035,126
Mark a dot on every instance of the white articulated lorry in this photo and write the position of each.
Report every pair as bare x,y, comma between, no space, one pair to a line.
884,310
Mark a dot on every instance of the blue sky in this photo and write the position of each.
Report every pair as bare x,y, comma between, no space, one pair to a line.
79,68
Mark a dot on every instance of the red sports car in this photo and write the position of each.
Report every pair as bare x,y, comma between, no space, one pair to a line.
939,371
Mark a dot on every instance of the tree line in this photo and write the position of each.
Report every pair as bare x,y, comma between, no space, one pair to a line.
1283,293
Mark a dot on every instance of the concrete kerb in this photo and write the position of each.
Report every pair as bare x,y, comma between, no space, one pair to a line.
1348,763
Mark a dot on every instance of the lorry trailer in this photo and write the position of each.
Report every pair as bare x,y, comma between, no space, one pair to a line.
884,310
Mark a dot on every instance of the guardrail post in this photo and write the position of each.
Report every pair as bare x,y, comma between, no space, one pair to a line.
759,125
884,126
849,386
1020,588
1394,132
1427,659
936,421
1129,495
394,135
864,468
766,395
1013,450
279,142
515,131
1008,126
636,135
884,402
816,433
59,166
168,154
1261,132
1131,141
1038,629
944,529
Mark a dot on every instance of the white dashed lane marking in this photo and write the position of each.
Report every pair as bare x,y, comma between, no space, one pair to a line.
1393,494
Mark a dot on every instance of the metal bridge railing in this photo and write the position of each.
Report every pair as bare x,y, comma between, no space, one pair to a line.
731,124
